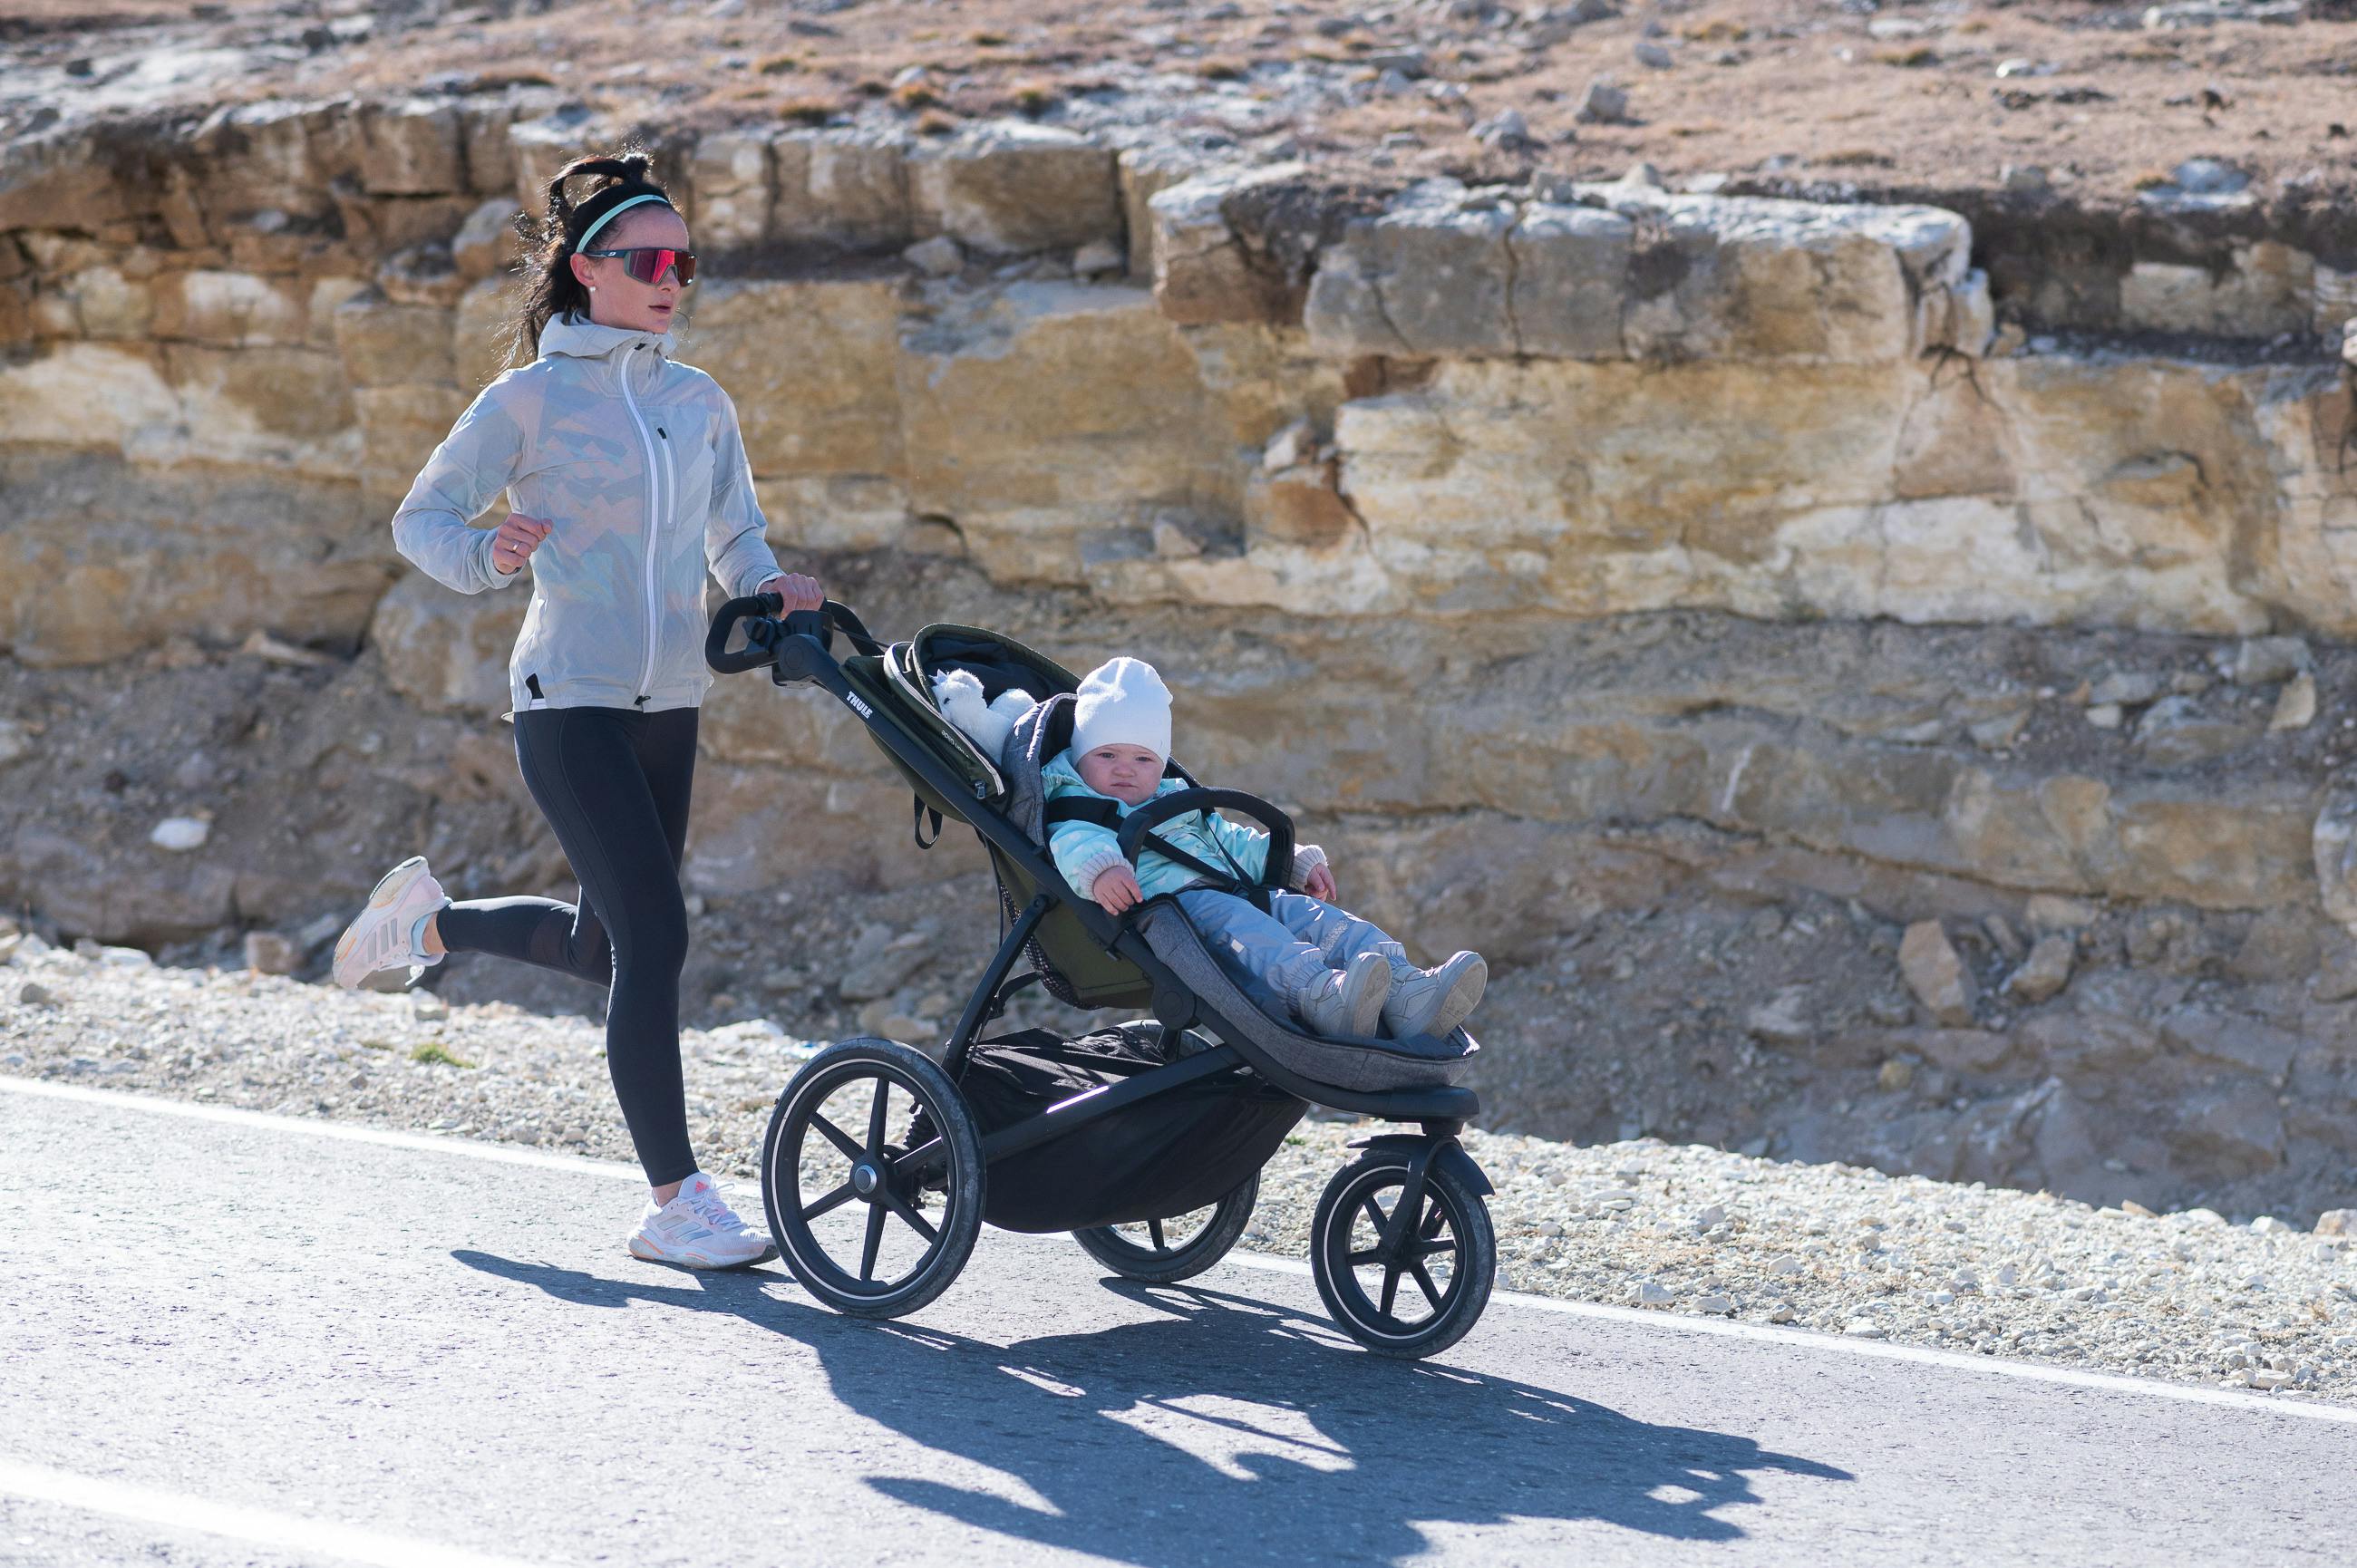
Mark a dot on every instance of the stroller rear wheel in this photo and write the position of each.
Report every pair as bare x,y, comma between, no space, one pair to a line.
846,1185
1411,1288
1163,1251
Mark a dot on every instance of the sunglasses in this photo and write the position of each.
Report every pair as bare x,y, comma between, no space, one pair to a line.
647,263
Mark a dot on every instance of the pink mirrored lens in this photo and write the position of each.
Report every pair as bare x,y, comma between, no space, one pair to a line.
648,265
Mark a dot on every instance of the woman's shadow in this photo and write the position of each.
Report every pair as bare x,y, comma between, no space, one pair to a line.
1225,1429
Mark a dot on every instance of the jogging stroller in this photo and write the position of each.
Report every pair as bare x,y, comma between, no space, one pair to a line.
1144,1140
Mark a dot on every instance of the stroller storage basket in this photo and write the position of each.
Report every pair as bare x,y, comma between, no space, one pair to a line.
1178,1152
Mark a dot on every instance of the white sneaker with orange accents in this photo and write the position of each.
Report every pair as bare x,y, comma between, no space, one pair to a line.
385,935
697,1229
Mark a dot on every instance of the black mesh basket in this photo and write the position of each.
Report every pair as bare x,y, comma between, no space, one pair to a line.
1178,1151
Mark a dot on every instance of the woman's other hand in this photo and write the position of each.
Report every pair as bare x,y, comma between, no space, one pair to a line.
800,593
1116,889
1319,882
518,537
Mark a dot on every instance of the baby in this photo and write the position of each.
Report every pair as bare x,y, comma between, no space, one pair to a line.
1340,974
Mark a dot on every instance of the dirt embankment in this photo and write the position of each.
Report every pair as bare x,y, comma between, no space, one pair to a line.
1874,675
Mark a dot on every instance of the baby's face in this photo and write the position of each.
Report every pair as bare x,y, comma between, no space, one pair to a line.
1130,774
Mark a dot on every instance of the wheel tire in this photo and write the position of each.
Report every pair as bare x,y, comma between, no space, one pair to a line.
896,1190
1450,1202
1167,1265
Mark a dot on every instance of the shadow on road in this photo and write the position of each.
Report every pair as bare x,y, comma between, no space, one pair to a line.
1227,1428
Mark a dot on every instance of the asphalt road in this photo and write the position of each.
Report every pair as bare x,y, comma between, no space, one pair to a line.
244,1341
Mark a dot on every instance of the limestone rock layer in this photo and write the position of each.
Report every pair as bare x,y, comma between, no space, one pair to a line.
1568,552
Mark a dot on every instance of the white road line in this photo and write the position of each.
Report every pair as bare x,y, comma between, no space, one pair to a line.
2112,1383
254,1527
384,1137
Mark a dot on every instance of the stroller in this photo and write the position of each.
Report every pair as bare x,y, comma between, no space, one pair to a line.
1143,1140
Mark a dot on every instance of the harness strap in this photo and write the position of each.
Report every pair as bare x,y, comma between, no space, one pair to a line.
849,625
1083,808
917,812
1106,814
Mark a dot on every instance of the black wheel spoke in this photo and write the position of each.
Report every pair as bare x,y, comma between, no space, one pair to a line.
874,1240
837,1136
1361,1277
1433,1236
916,1222
871,1133
1154,1227
829,1204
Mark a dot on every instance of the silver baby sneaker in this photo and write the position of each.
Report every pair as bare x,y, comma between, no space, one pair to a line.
1435,1001
1348,1001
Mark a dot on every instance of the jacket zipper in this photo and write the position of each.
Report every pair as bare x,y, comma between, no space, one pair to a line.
654,526
670,491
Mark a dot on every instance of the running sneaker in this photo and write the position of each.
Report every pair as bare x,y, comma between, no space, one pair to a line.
385,935
697,1229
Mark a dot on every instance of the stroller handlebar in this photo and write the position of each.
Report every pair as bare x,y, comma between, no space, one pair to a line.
1277,872
759,638
765,635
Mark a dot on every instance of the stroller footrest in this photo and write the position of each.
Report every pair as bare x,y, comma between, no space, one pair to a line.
1358,1064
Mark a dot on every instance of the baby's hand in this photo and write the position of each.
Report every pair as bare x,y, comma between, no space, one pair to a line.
1116,889
1319,882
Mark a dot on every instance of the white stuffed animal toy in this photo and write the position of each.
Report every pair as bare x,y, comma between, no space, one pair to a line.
958,693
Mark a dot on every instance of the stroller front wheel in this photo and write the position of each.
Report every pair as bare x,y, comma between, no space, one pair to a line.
1158,1258
864,1139
1402,1285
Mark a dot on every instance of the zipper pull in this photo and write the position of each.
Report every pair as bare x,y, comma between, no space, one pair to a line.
662,432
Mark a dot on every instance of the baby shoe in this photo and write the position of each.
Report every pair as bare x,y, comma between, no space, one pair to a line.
1347,1002
1435,1001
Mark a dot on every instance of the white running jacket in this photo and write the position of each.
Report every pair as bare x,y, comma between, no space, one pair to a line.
638,463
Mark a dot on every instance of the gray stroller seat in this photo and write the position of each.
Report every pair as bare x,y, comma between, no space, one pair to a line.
1357,1063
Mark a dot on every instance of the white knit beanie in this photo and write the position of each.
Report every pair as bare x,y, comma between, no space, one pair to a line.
1122,702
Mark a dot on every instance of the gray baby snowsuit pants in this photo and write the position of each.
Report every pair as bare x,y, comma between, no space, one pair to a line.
1276,956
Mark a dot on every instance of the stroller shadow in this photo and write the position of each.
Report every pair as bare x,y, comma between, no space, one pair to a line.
1226,1429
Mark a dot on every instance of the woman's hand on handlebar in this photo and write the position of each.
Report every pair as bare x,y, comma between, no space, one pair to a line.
517,538
1116,888
799,592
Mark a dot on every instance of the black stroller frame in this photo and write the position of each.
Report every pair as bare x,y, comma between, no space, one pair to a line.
1441,1188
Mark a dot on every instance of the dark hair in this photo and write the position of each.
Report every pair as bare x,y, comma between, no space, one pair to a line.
549,289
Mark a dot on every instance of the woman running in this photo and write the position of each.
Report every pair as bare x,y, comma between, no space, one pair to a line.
628,478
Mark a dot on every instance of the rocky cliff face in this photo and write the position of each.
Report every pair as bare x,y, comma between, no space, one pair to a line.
1859,728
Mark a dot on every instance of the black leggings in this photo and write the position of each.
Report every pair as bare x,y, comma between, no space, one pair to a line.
613,783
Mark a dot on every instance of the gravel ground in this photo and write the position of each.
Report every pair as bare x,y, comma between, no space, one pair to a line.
1832,94
2186,1296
